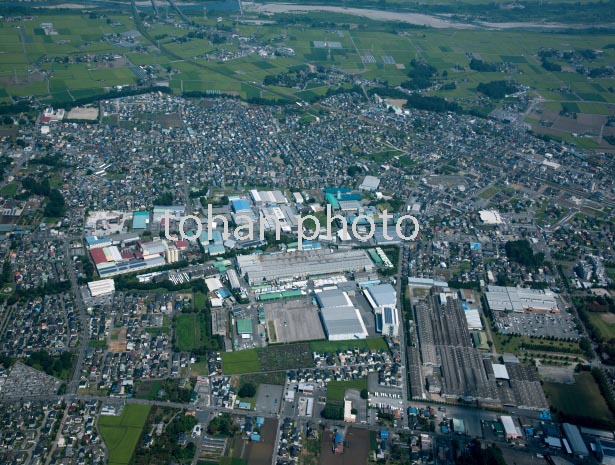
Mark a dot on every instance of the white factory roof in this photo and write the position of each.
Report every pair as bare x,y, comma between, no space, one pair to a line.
490,217
102,287
370,183
553,442
425,282
333,298
520,299
302,263
509,427
213,284
267,196
115,255
154,247
473,319
233,279
343,323
500,371
382,295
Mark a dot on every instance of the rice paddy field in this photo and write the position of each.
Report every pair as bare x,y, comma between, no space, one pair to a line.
68,64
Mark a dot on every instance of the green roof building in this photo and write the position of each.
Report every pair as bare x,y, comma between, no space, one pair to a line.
244,326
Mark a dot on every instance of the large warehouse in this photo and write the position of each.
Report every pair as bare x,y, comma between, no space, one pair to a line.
301,264
340,319
342,323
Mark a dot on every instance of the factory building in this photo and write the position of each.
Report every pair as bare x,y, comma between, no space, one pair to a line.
490,217
175,213
267,197
605,450
509,427
244,328
110,260
301,264
518,299
95,242
370,183
233,279
383,300
575,440
340,319
389,325
140,220
102,287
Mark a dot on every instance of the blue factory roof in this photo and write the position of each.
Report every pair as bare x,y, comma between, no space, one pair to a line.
240,205
140,220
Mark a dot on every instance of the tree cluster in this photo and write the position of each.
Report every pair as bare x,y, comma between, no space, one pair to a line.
497,89
521,252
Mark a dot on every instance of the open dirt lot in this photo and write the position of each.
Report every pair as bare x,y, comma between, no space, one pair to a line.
294,320
356,448
260,453
269,398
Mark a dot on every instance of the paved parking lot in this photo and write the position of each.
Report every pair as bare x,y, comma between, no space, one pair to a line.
560,325
294,320
269,398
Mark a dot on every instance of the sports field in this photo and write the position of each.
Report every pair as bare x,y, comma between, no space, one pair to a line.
121,433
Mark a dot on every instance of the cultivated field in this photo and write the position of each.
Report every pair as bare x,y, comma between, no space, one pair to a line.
274,358
259,453
53,69
375,343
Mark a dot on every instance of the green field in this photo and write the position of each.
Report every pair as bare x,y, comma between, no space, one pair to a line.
489,192
274,358
187,332
445,49
9,189
149,390
519,344
337,389
244,361
192,332
200,300
606,329
581,399
121,433
376,343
